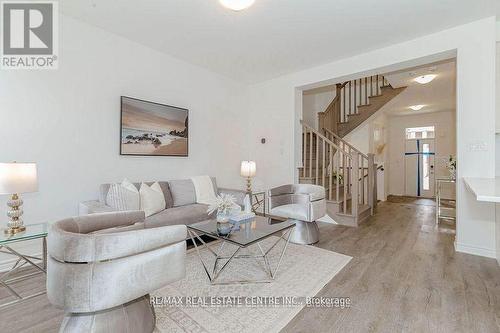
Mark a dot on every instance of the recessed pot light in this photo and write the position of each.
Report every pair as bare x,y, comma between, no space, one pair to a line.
416,107
423,79
237,5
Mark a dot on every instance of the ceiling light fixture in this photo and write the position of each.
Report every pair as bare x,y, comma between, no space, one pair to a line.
423,79
416,107
237,5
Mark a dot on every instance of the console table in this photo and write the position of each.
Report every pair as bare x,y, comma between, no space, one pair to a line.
439,206
34,231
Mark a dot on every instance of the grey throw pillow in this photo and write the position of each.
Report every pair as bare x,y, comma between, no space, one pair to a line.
169,201
183,192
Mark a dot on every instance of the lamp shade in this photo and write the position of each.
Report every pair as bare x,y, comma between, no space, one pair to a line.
18,178
248,169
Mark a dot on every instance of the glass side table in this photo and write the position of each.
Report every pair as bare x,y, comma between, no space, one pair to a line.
34,231
258,201
447,213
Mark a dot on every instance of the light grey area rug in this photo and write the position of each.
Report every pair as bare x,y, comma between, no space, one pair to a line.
303,272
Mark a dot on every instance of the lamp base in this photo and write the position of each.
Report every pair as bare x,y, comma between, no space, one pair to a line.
14,230
15,213
249,185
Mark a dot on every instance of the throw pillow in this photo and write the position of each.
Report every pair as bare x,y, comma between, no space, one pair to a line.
183,192
152,199
124,196
204,189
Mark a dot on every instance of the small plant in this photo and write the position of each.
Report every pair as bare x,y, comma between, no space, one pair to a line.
337,177
223,204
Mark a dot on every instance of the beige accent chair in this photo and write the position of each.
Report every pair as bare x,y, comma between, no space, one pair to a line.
102,267
301,203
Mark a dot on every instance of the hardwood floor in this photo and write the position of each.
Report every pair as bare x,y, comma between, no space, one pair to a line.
404,277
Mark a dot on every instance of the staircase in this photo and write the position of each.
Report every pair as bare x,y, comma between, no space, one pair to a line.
348,175
354,102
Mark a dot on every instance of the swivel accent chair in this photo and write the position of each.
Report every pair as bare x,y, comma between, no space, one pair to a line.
302,203
101,268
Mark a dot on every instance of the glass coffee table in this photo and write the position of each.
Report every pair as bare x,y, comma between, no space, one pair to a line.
243,234
33,231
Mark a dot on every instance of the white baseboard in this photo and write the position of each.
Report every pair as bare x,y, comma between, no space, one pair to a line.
478,251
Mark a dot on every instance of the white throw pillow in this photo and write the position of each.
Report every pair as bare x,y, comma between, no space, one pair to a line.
204,189
152,199
124,196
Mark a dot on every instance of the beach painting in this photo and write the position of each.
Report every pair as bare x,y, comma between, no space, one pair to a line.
152,129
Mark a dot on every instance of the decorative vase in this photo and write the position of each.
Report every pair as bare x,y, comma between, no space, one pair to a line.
247,203
222,216
224,228
223,225
453,173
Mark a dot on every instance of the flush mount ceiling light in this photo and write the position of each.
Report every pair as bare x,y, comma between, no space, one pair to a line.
423,79
237,5
416,107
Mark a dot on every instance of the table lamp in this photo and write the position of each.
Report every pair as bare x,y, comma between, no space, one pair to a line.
248,170
16,178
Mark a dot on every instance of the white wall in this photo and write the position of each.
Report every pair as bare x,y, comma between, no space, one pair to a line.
68,120
498,103
316,101
361,136
497,72
275,114
444,145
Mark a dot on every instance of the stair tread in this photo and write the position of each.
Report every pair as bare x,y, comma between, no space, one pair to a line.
356,119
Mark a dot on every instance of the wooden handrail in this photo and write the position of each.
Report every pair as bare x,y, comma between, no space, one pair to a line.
345,172
378,168
345,142
349,95
342,85
324,138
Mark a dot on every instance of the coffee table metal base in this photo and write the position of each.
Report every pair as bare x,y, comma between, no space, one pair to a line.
213,273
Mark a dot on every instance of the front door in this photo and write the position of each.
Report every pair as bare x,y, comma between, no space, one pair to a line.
419,167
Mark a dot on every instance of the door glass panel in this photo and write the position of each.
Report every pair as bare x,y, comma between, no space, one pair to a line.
426,132
426,168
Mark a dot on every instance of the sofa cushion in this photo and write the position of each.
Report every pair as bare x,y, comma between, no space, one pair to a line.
183,192
188,214
169,202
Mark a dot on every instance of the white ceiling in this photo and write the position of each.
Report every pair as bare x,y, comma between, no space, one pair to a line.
273,37
437,95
